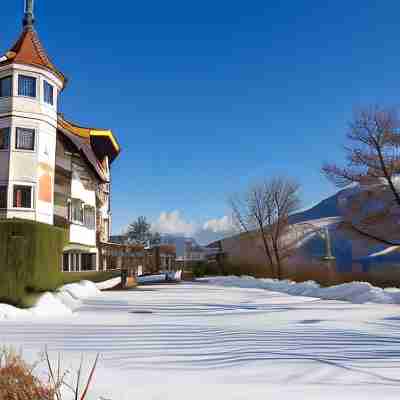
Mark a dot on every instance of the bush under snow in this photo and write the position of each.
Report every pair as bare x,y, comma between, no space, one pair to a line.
355,292
58,304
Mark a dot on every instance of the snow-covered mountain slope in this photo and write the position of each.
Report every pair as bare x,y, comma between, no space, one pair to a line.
362,223
324,209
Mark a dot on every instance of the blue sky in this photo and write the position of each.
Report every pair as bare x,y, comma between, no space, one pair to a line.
207,97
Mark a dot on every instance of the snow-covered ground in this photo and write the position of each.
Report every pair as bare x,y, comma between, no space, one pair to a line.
203,340
355,292
59,304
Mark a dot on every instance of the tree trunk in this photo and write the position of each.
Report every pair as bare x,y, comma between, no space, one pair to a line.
267,250
278,258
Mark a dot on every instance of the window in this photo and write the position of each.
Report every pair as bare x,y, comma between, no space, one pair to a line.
77,211
65,262
4,138
26,86
6,86
69,210
89,217
25,139
88,261
106,229
22,196
3,197
48,93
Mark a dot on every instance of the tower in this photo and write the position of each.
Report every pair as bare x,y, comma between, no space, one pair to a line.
29,88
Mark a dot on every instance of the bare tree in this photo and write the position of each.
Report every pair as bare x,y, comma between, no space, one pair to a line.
373,152
373,158
265,209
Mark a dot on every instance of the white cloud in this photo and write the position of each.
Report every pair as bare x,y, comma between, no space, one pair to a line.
221,225
173,223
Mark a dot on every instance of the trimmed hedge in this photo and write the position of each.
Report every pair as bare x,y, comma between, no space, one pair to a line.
30,259
94,276
202,268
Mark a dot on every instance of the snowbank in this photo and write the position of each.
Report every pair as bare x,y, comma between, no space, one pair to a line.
355,292
59,304
49,305
81,290
72,294
111,283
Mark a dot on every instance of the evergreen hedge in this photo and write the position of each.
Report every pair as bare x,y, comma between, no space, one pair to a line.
30,259
94,276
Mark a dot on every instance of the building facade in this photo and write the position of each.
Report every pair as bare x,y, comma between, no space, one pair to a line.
129,257
51,170
160,257
192,254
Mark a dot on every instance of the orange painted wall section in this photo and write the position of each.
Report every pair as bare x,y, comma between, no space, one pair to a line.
45,183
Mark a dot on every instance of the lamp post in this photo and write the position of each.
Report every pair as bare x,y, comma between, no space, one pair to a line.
328,246
329,259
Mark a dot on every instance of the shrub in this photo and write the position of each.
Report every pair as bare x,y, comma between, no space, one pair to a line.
30,254
17,381
239,269
198,269
94,276
203,268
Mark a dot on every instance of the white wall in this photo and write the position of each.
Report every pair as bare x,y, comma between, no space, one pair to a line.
78,190
34,168
78,232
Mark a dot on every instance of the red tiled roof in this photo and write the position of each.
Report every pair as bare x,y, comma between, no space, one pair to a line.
29,50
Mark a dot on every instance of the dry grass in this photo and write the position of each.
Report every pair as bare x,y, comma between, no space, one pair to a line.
18,381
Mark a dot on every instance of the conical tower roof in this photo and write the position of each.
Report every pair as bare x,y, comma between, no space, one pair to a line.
29,50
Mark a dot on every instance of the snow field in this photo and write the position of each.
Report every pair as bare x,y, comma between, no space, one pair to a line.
218,341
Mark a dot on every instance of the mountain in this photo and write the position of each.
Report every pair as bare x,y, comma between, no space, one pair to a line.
324,209
179,241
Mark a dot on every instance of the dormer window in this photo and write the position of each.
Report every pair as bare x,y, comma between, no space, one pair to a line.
6,86
26,86
48,93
